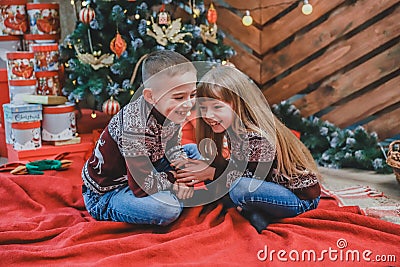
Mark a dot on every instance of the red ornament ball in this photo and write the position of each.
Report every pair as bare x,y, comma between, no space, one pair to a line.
86,15
111,106
212,14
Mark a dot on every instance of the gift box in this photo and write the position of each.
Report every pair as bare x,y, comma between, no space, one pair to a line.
44,18
26,135
32,39
58,122
14,113
19,88
13,18
83,149
46,57
8,43
47,83
20,65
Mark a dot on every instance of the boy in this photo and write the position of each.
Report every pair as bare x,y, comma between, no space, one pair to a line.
128,178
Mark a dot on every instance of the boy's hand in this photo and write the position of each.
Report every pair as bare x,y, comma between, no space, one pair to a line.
183,191
195,171
179,163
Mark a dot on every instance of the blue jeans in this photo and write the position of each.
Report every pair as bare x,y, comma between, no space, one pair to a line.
274,200
121,205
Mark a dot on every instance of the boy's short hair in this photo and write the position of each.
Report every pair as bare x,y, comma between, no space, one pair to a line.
163,60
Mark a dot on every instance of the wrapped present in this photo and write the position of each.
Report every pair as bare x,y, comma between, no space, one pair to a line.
44,18
46,57
19,88
32,39
13,18
48,83
20,65
26,135
58,122
14,113
8,43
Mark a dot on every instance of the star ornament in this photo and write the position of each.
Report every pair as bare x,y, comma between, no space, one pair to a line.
172,33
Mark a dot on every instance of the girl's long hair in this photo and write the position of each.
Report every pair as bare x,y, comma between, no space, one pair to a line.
231,86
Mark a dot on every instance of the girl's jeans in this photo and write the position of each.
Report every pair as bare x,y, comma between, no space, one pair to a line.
272,199
122,205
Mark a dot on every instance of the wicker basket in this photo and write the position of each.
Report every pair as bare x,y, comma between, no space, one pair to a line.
393,158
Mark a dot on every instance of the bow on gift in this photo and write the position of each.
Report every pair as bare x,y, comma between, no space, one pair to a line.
37,167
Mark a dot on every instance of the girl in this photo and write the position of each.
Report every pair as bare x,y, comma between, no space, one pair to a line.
270,174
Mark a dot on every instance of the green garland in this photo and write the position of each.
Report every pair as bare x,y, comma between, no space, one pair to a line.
334,147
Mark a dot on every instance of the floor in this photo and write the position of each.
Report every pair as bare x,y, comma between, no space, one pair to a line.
385,183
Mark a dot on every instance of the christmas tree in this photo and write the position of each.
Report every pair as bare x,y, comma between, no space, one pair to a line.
111,37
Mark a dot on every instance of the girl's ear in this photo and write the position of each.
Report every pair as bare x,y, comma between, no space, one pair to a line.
148,95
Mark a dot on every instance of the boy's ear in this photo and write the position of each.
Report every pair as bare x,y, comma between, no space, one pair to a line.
148,95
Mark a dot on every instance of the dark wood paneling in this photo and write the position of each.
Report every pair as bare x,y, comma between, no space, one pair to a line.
385,126
340,22
341,62
365,105
335,58
344,84
282,29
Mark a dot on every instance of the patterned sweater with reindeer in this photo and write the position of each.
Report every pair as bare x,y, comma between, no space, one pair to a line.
136,141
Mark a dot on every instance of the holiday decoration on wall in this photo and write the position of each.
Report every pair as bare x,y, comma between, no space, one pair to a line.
110,37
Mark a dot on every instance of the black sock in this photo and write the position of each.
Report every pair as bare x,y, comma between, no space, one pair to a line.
257,219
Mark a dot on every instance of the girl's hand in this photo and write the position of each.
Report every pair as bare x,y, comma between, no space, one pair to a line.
195,171
182,191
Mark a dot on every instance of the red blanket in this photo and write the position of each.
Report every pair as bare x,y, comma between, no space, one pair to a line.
43,222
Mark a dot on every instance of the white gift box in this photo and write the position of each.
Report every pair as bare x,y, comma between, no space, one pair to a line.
26,135
58,122
15,113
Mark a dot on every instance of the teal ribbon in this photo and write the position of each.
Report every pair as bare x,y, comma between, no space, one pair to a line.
37,167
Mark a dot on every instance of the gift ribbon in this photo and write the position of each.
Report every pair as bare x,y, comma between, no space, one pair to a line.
37,167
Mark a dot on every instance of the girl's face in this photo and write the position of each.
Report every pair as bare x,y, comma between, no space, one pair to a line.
217,114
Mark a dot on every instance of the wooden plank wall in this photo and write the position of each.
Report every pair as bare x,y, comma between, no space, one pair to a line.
340,63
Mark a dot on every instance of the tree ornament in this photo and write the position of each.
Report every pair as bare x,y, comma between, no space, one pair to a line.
118,45
208,33
111,106
86,15
163,16
172,33
212,14
105,60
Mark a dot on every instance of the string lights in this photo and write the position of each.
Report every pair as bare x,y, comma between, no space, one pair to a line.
306,8
247,20
93,115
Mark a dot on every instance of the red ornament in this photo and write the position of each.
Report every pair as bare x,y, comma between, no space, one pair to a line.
111,106
86,15
118,45
212,14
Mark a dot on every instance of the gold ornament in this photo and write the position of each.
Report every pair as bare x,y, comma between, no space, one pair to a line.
104,60
209,33
171,33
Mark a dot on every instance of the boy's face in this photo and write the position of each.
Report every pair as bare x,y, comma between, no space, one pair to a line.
174,96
